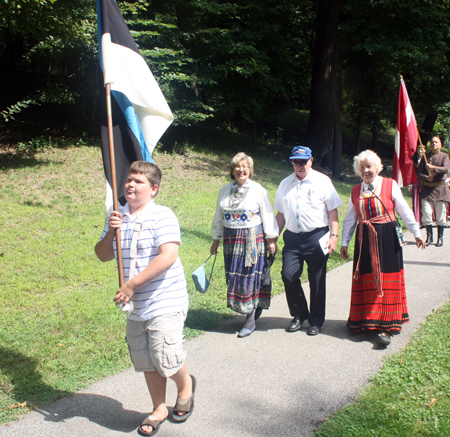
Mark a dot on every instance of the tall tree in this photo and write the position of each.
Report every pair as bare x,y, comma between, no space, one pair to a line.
242,60
47,54
409,39
324,127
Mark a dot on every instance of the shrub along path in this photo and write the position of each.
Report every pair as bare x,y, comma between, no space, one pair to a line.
272,383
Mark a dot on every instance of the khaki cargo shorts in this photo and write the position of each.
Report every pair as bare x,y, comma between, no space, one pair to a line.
157,344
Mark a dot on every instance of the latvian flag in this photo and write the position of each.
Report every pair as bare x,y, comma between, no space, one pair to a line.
406,137
140,112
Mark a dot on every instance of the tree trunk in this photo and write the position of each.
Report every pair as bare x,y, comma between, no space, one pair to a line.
337,139
375,140
275,123
324,129
238,118
253,115
358,132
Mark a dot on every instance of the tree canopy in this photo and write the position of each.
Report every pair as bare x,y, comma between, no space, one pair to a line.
237,64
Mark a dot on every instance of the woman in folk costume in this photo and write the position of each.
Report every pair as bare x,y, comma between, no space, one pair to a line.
244,219
378,300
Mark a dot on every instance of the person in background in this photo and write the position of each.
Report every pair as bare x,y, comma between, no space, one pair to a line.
435,191
307,204
244,219
378,300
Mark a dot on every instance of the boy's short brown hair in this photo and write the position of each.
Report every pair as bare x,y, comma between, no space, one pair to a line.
149,170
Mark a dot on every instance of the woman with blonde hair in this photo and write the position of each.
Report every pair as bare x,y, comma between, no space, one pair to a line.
378,300
244,219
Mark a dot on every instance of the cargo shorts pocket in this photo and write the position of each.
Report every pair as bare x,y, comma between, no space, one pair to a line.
174,354
139,353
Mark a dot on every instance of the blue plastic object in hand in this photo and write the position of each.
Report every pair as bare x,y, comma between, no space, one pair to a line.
199,276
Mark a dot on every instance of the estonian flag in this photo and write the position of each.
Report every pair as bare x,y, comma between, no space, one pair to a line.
140,112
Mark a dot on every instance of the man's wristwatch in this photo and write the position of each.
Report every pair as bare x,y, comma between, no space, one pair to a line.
334,235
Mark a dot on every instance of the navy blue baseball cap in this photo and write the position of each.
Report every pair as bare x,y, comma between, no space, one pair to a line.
300,152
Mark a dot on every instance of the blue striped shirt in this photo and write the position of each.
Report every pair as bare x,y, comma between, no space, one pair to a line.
167,293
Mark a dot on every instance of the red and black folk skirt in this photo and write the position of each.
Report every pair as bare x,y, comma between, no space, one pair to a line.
369,310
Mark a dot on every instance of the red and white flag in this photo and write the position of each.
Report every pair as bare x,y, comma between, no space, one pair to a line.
406,137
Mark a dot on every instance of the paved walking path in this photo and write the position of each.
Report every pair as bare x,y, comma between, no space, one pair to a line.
272,383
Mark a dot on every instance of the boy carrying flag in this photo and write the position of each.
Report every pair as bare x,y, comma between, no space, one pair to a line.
154,293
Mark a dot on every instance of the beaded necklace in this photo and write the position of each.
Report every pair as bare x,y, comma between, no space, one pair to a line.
237,196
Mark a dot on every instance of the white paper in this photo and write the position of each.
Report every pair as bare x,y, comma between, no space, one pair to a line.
323,242
127,308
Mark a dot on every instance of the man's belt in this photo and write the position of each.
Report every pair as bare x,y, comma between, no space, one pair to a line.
433,184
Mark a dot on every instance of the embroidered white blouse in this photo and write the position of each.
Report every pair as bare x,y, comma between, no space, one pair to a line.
252,210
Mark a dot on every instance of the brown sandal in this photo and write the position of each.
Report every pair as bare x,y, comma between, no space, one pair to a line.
152,421
185,406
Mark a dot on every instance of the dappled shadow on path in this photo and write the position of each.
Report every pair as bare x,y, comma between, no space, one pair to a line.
303,408
331,328
338,329
265,323
98,409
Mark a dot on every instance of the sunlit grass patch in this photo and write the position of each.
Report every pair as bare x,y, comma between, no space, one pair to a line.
60,330
410,396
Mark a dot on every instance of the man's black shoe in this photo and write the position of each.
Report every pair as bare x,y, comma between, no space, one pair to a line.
313,330
295,325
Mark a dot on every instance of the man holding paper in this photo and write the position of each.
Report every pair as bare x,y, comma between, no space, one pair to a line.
307,204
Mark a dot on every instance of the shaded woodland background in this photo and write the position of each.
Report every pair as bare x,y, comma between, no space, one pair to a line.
239,65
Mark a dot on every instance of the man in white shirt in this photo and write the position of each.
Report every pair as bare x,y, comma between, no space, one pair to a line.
307,204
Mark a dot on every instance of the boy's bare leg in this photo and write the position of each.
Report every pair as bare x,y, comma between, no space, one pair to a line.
157,387
184,384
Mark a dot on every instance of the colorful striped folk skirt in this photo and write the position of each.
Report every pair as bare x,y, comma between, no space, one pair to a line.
367,310
244,282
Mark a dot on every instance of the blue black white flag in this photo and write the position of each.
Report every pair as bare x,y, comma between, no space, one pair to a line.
140,112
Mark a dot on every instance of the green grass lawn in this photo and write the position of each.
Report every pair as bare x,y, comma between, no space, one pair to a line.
60,330
410,396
